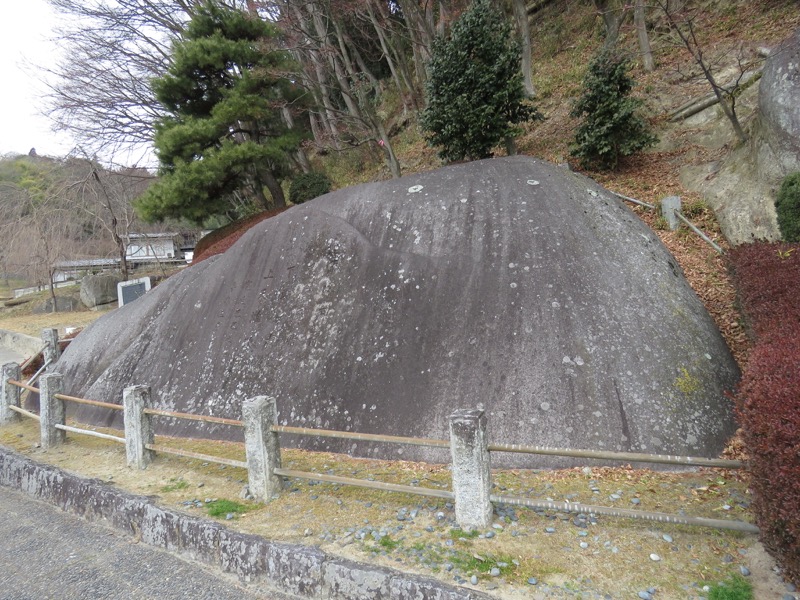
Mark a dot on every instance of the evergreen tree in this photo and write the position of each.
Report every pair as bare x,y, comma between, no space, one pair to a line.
475,87
611,126
224,136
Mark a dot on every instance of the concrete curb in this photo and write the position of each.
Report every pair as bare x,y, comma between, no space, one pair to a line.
20,343
301,571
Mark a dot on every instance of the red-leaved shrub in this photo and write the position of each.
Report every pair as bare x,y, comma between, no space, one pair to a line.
768,282
223,238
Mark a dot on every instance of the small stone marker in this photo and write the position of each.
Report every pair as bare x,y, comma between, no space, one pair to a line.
669,206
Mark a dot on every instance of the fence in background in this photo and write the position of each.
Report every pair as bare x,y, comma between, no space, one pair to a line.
468,444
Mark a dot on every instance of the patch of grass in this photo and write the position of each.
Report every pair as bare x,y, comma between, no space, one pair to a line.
219,508
735,587
483,564
460,533
174,485
387,543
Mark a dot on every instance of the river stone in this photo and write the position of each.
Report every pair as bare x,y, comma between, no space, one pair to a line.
100,289
380,309
779,150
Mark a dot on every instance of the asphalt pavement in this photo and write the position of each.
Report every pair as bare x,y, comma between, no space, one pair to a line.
48,554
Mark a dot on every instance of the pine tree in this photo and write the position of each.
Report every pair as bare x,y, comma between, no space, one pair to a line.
223,135
610,125
475,87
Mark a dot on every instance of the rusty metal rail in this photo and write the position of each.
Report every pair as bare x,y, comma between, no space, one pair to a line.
571,507
197,455
366,437
689,461
191,417
363,483
23,385
89,402
97,434
25,413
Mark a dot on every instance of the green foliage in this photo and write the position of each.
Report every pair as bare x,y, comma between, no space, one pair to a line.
308,186
220,508
734,588
223,136
610,125
475,92
787,206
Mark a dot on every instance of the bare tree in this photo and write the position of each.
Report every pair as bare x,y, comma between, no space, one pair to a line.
106,197
112,49
684,25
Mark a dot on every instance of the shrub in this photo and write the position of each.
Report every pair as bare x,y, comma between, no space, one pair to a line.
610,125
224,237
768,280
787,205
308,186
475,93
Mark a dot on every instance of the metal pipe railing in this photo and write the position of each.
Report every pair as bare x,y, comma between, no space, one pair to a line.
628,513
689,461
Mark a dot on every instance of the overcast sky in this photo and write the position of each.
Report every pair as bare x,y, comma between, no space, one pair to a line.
25,29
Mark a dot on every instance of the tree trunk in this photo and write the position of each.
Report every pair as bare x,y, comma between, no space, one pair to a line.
276,191
644,40
391,158
300,154
521,17
613,17
52,286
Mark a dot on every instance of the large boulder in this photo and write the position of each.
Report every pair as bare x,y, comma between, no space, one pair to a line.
100,289
508,284
779,137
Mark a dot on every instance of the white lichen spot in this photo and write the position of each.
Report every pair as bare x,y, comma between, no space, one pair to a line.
359,359
532,182
545,406
414,189
463,201
513,285
555,304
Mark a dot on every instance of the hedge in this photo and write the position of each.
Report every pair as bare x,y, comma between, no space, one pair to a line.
768,399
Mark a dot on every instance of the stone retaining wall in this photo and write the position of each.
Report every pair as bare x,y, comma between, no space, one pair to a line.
301,571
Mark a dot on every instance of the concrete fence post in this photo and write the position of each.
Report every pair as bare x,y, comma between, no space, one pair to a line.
669,206
51,411
262,447
9,394
472,483
52,352
138,426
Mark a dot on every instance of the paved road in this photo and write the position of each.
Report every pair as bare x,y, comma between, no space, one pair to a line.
45,553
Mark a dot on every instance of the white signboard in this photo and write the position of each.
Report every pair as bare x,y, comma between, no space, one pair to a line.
128,291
